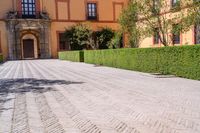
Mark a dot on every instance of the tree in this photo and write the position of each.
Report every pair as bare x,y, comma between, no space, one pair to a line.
103,38
79,36
116,41
128,21
140,19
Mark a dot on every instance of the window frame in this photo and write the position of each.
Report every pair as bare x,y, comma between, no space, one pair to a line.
28,8
196,33
65,46
156,36
176,38
90,11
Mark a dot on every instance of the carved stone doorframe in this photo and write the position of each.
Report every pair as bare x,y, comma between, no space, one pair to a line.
33,37
18,27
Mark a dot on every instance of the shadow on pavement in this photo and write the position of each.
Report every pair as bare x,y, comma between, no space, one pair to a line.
21,86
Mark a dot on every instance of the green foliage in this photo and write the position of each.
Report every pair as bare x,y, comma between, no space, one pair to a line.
194,14
79,36
116,41
140,18
129,16
76,56
103,37
177,6
1,58
180,61
128,21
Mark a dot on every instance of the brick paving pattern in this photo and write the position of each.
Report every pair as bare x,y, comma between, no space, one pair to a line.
52,96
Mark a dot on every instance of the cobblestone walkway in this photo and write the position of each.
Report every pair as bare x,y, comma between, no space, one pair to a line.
52,96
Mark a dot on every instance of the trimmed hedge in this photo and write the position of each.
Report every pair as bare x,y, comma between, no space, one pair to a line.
182,61
1,58
77,56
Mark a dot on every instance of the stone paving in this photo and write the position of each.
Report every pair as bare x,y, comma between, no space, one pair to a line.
52,96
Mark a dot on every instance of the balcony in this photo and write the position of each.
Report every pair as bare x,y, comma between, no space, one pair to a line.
26,15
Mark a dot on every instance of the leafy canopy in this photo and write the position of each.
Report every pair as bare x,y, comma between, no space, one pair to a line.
141,17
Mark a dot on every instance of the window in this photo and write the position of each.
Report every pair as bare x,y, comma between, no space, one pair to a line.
155,8
91,11
196,1
63,44
28,8
197,34
156,36
175,34
175,3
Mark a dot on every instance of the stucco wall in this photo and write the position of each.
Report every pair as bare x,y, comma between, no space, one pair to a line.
63,14
3,39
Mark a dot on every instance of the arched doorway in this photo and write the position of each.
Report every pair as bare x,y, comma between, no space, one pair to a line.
38,30
29,47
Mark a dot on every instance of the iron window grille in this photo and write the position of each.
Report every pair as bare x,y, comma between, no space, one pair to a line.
92,11
28,9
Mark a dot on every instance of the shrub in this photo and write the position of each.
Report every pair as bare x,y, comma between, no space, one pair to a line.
103,37
1,58
76,56
180,61
79,36
116,41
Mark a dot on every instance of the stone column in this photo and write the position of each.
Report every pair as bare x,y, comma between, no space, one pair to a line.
47,43
44,40
41,43
11,39
49,40
18,44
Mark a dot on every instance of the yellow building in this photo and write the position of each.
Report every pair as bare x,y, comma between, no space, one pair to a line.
189,37
33,28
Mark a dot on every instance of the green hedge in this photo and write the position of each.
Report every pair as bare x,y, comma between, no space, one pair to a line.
1,58
181,61
77,56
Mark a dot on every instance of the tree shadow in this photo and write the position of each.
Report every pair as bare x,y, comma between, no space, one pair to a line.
22,86
4,109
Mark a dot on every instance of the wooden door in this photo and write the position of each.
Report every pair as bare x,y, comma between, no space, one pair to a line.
28,48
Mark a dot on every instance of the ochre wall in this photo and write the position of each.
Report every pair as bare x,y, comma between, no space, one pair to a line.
5,6
63,14
3,39
186,38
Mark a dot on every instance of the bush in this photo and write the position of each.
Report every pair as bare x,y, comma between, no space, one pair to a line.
1,58
79,36
116,41
180,61
76,56
103,38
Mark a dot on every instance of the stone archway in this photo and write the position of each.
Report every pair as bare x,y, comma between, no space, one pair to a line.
29,45
40,28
